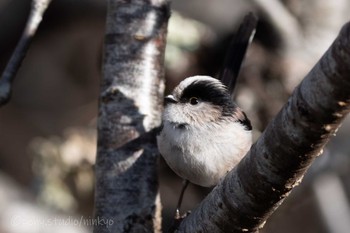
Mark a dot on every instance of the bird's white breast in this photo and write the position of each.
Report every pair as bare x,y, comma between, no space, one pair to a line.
203,155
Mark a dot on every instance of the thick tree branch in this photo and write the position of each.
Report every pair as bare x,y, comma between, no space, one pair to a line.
38,9
278,160
130,105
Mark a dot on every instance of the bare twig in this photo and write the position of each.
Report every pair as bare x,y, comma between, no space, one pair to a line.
277,162
130,105
38,9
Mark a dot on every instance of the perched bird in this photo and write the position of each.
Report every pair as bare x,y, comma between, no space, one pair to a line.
204,133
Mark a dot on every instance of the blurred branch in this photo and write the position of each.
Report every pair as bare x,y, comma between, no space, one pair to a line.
37,10
283,21
306,29
333,203
130,105
276,163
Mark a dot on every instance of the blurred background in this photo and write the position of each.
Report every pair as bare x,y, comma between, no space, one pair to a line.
48,130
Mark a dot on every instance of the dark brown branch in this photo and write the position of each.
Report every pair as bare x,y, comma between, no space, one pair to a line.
278,160
38,9
130,105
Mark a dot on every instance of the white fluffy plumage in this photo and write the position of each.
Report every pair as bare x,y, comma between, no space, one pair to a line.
204,134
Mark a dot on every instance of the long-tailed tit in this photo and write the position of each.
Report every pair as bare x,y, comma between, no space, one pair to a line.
204,133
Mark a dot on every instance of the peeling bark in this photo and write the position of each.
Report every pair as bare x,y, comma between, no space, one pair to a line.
277,162
130,105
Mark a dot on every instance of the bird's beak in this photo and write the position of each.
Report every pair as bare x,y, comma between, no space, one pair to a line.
170,99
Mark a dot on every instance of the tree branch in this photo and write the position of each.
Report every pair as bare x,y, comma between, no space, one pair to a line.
278,160
130,105
38,9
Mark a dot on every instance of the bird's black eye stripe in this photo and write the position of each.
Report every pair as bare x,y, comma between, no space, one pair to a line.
207,91
204,90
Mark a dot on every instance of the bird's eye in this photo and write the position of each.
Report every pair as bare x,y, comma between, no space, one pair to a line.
194,100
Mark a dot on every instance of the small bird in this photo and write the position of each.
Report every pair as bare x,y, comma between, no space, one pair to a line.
204,133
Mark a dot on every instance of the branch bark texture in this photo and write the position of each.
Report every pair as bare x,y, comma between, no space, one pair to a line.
130,105
278,160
